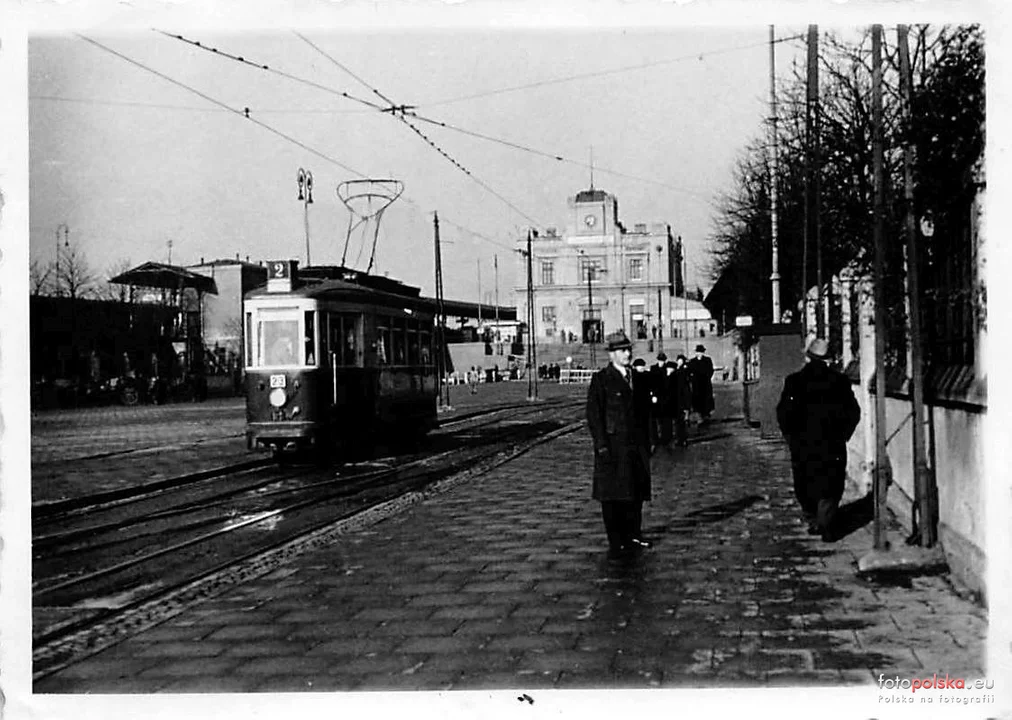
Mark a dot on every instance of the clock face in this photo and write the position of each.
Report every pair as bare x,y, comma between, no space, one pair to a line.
590,220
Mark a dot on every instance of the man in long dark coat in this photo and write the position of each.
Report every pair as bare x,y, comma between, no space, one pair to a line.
701,374
619,427
680,397
817,414
661,405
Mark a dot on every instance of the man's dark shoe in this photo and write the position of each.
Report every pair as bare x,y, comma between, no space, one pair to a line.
641,543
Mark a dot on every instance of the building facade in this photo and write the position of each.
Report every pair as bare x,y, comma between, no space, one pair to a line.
598,276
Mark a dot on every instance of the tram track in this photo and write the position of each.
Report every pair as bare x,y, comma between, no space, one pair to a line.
108,592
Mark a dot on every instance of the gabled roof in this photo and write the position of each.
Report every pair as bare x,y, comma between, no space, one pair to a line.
169,277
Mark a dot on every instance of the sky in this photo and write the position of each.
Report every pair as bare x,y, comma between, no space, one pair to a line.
130,159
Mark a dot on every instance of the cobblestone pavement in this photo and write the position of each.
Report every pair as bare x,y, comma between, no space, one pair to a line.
504,583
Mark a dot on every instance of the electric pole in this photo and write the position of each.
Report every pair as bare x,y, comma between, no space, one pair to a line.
880,317
774,140
532,355
923,487
305,180
814,169
440,323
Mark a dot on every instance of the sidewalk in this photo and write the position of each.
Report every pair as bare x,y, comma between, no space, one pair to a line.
503,583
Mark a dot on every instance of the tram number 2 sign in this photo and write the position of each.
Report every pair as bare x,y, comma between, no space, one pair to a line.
280,269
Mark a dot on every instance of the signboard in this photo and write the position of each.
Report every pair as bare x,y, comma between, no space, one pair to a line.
743,321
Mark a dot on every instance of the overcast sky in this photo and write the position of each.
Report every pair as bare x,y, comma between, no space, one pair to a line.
130,159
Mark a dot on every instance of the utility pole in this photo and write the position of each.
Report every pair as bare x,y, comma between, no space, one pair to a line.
305,180
880,319
660,311
478,263
774,140
685,292
498,335
814,168
532,356
924,489
590,311
440,323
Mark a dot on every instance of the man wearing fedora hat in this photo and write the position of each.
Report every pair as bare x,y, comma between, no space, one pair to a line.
619,428
701,376
817,413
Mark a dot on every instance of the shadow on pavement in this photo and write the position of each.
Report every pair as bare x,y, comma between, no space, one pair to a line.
708,514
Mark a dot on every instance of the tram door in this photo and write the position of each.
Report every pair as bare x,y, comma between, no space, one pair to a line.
345,355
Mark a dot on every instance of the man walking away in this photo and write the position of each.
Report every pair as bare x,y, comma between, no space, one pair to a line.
680,384
618,423
701,372
817,414
661,405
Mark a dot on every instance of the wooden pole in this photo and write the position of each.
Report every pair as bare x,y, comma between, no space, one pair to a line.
923,486
774,140
881,458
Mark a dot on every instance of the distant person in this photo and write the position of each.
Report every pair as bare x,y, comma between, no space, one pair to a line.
472,379
817,414
680,387
701,374
618,428
661,406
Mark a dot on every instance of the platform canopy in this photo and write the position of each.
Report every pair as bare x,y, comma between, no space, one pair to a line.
168,277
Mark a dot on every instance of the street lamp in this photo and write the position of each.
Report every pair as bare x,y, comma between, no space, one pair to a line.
66,243
305,180
591,334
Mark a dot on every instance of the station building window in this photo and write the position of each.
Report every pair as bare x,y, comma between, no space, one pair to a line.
635,268
547,272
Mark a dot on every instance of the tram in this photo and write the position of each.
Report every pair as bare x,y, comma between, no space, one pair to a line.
335,358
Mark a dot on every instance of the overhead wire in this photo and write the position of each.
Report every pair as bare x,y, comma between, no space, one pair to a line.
602,73
245,114
399,111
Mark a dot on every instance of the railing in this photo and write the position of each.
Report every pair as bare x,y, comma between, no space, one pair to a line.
569,375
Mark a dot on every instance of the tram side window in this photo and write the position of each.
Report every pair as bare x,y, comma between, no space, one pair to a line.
278,342
382,343
350,341
310,338
399,342
426,347
249,339
413,350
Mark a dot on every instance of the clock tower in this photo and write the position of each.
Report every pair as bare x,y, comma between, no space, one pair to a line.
593,213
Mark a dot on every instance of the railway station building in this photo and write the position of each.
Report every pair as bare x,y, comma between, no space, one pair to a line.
597,276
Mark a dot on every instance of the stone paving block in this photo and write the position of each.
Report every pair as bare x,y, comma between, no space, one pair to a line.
439,644
250,632
515,643
192,667
472,612
348,647
269,648
331,629
292,665
415,628
181,649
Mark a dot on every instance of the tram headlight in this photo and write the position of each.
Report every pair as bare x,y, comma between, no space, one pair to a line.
277,397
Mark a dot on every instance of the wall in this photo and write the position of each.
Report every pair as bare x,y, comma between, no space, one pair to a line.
959,472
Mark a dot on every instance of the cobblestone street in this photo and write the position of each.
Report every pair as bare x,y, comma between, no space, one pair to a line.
504,583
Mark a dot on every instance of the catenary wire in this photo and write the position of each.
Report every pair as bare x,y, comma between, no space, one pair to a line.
602,73
246,115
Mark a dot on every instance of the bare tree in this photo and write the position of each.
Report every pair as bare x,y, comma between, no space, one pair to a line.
75,278
114,291
40,278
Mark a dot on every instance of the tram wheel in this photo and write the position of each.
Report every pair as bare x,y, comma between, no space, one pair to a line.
129,396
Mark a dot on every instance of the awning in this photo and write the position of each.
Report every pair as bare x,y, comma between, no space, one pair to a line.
168,277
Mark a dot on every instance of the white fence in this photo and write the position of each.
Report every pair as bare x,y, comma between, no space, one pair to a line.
569,375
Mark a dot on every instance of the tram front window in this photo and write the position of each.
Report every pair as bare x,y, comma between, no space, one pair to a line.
279,342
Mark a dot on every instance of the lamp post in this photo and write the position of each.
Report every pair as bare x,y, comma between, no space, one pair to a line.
305,180
66,243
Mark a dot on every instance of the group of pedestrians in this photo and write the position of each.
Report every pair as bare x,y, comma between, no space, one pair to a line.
630,410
